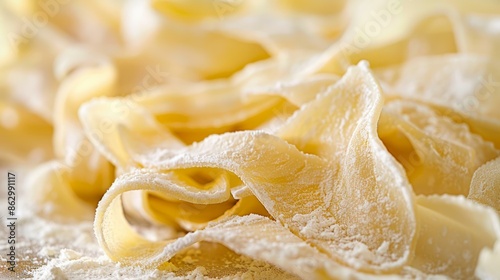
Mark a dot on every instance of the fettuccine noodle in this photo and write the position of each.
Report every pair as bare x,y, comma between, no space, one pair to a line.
325,139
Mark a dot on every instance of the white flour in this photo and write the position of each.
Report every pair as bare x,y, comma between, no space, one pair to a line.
49,250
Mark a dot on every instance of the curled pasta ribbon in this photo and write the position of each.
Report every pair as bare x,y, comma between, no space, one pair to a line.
18,122
334,163
316,185
320,128
194,111
269,238
488,260
26,77
487,128
477,97
296,92
430,147
319,7
405,31
71,144
51,189
475,35
188,199
469,101
79,166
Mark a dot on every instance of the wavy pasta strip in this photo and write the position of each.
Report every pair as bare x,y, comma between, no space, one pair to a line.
228,109
20,8
26,77
80,168
271,29
198,10
248,111
487,267
278,34
476,95
217,261
452,232
91,174
214,190
392,33
218,54
182,207
116,228
485,185
19,123
83,85
336,126
94,22
120,129
389,33
432,147
199,155
156,47
137,208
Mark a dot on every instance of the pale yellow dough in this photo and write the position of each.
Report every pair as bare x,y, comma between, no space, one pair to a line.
313,139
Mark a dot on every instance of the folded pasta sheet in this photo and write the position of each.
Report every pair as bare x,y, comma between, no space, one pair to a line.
304,139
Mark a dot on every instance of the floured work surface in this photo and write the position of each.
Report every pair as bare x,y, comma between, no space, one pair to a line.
250,139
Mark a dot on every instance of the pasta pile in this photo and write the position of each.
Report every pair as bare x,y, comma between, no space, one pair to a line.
328,139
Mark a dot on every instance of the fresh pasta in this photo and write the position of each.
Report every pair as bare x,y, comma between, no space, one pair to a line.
314,139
